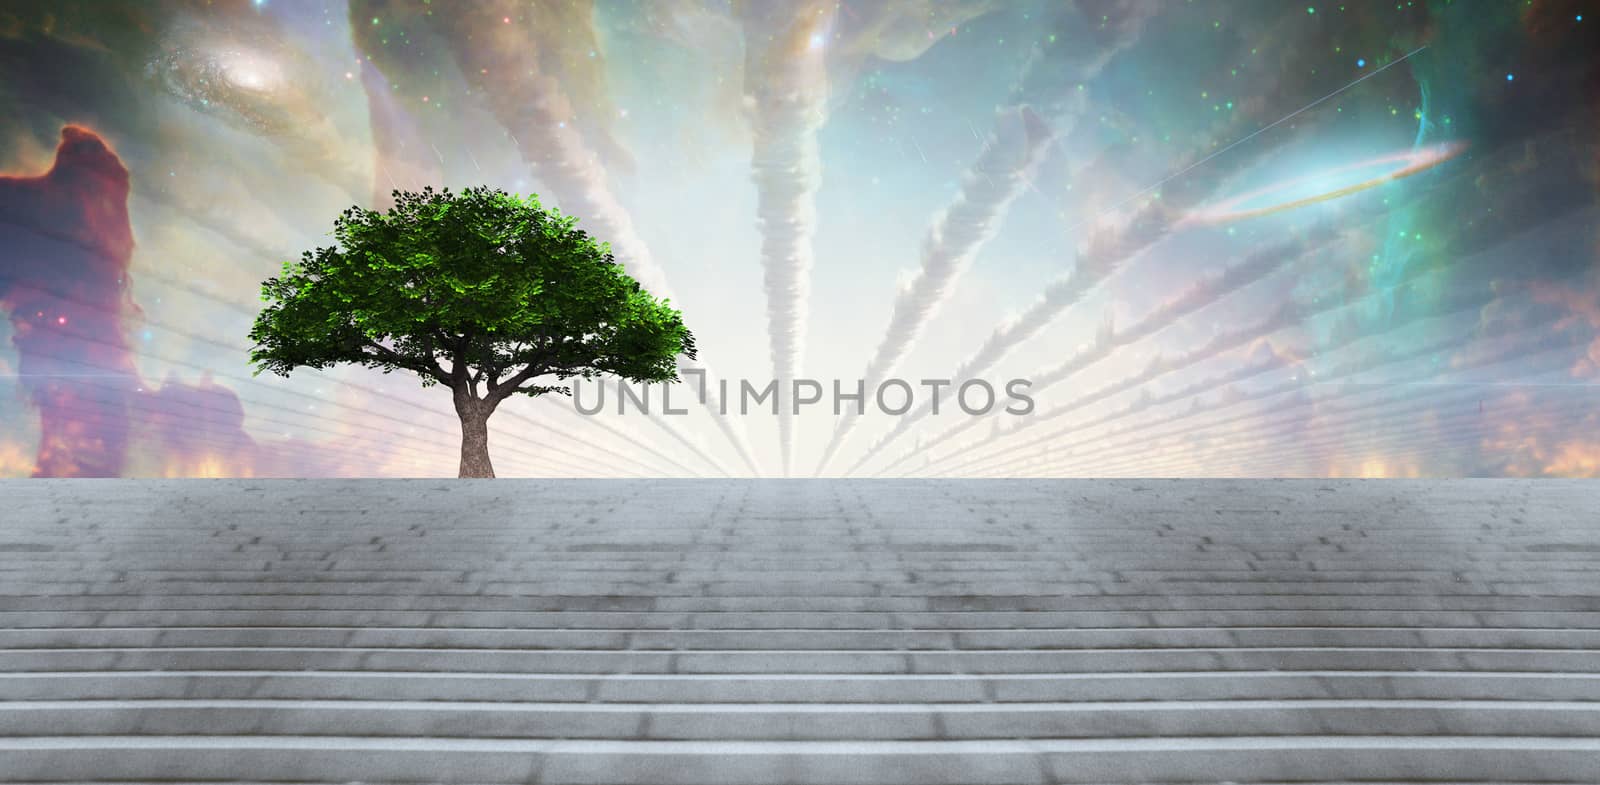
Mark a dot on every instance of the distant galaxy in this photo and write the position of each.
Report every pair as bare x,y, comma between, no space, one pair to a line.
1220,238
1326,185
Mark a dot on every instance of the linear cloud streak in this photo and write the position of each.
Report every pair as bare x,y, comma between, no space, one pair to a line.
1478,252
1346,332
1394,411
1011,153
1257,266
1290,314
1109,247
786,85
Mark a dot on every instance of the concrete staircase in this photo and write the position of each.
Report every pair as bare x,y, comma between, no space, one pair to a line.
828,632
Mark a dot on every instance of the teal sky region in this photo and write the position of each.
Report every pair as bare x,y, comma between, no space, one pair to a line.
1240,238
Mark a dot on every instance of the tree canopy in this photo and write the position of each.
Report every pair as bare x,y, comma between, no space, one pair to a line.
498,286
484,291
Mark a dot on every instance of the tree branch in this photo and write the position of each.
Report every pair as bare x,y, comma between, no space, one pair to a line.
496,369
432,348
428,367
514,383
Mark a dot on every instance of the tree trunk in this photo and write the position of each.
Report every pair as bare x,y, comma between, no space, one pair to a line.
474,436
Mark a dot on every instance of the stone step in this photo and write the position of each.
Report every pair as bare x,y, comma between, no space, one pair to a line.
994,762
371,782
374,637
1163,553
799,722
1471,602
799,632
1538,512
672,581
799,688
1045,547
470,553
817,620
755,590
798,661
1540,546
1045,538
1132,551
581,520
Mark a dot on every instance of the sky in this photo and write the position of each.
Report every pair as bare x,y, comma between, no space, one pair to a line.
1213,238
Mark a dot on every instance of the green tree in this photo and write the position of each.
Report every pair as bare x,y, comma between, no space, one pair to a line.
482,291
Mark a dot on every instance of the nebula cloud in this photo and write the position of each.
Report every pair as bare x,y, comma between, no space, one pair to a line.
67,230
65,248
1053,170
786,85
